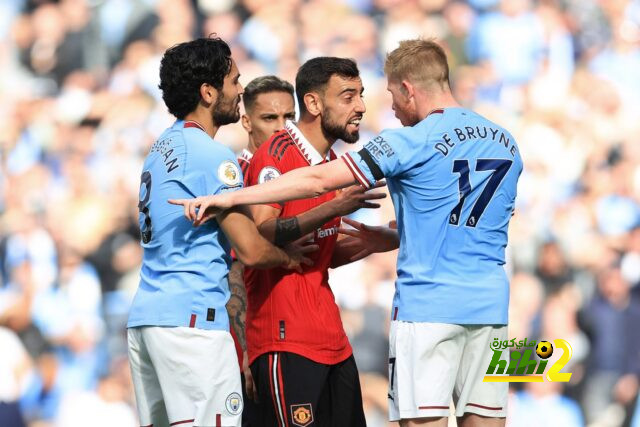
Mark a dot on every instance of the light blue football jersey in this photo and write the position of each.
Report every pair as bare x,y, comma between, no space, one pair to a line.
452,178
183,281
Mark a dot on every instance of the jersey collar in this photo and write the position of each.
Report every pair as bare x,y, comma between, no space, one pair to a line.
193,124
246,154
308,151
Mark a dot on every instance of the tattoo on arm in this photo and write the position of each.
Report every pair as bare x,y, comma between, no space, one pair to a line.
287,230
237,304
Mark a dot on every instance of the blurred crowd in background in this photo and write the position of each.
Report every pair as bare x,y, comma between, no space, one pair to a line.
81,107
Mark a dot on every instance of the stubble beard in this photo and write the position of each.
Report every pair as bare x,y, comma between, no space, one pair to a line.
334,131
225,113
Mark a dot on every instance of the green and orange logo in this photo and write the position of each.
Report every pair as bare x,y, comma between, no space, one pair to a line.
520,364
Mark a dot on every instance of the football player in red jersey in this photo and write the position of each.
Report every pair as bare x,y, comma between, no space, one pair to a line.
268,102
301,359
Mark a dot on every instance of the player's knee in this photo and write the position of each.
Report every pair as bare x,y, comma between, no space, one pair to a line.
475,420
425,422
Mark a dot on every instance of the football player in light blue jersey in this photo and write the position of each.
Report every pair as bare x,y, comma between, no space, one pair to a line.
183,361
452,175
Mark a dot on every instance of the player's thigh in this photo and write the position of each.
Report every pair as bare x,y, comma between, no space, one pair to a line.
198,373
471,394
149,399
251,416
266,401
423,364
289,388
341,399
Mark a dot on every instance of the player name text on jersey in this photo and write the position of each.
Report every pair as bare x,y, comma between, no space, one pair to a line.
470,133
164,148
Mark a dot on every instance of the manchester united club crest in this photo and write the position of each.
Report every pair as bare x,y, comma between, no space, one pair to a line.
302,415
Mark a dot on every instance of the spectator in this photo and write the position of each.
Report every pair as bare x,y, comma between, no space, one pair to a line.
610,320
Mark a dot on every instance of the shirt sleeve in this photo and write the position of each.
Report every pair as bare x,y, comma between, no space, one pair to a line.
379,158
212,172
263,168
229,176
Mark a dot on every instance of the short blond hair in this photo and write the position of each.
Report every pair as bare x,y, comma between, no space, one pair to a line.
422,62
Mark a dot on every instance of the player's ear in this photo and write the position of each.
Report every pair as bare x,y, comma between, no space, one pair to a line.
407,89
313,102
246,124
208,94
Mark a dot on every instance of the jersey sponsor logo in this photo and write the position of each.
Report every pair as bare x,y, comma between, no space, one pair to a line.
267,174
326,232
379,147
228,173
302,414
233,403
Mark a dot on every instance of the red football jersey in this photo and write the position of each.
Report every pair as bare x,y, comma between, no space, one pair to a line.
244,161
289,311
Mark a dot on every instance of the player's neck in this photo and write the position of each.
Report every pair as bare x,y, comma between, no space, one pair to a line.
252,147
427,103
312,130
204,119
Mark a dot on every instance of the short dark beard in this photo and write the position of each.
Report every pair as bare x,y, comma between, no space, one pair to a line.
223,116
333,131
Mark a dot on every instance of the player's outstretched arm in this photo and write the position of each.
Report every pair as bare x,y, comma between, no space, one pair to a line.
284,230
297,184
255,251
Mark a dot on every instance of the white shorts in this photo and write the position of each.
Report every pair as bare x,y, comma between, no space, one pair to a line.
185,376
431,363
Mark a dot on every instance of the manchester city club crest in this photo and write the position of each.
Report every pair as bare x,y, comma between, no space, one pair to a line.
234,403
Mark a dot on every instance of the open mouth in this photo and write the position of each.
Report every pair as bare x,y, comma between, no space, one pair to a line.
354,123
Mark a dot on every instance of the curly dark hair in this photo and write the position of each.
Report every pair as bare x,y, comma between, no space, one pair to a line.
315,74
186,66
